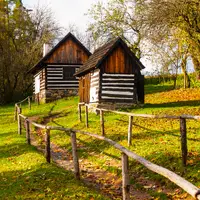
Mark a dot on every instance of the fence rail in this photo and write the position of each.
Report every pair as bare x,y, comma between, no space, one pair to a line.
19,105
181,182
182,118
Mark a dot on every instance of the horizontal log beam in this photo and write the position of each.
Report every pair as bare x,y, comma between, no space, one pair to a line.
152,116
117,81
118,75
117,95
117,89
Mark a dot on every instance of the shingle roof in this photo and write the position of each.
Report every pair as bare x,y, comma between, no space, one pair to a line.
101,53
39,64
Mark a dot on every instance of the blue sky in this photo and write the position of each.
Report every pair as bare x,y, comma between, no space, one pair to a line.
66,11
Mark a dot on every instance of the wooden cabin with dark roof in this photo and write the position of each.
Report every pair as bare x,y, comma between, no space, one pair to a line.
112,75
53,74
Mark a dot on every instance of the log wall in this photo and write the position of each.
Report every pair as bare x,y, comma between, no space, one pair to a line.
68,52
57,79
119,62
118,88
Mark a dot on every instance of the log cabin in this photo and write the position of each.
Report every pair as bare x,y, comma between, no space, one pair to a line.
53,74
112,76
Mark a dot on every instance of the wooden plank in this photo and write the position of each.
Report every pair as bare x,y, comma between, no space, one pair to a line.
54,78
130,126
96,76
117,89
125,177
152,116
64,81
184,148
114,81
117,100
62,88
47,146
64,65
118,84
111,75
95,80
55,75
117,95
95,85
75,155
62,85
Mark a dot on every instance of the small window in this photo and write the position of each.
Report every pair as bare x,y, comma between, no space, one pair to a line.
68,73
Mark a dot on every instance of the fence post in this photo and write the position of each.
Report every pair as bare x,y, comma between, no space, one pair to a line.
86,116
184,149
47,146
19,110
102,122
29,102
125,178
75,155
28,139
130,125
79,112
38,101
15,116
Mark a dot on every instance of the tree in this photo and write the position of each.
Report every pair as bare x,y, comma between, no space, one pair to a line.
117,18
173,20
23,35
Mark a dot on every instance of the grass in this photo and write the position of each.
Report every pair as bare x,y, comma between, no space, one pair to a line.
24,173
158,140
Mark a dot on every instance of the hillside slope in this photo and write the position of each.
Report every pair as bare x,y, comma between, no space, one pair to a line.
158,140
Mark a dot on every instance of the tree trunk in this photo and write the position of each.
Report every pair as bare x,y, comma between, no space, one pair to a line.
185,74
196,64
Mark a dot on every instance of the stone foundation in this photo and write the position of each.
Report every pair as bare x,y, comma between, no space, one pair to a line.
46,96
111,106
52,95
41,96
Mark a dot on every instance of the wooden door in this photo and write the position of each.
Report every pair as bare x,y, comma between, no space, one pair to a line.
84,89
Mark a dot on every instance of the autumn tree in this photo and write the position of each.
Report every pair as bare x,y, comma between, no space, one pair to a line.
22,36
173,20
116,18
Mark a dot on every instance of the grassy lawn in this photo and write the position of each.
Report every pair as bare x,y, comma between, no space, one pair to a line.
24,173
158,140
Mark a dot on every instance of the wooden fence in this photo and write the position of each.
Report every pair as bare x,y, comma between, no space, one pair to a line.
182,118
126,154
19,105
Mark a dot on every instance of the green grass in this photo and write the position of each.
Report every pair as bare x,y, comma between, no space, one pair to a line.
24,173
158,140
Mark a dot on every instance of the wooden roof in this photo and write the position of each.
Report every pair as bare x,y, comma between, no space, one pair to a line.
39,65
101,53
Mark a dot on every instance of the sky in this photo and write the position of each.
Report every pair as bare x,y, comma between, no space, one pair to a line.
66,11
